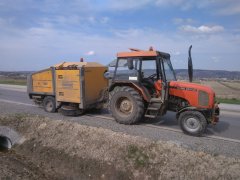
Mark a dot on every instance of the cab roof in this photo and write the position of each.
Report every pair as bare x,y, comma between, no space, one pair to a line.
142,53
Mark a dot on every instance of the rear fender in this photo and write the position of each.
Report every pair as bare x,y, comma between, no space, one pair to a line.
141,90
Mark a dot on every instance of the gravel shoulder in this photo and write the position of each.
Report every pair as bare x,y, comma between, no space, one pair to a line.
68,150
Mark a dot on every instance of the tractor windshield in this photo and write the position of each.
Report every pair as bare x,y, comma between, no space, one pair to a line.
169,72
148,67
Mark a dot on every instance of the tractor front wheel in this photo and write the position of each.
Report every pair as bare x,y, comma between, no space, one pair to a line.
192,122
126,105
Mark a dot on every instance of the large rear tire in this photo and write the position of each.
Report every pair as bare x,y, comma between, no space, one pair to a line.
193,123
49,104
126,105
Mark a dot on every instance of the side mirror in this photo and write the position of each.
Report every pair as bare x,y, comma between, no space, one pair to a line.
108,75
130,63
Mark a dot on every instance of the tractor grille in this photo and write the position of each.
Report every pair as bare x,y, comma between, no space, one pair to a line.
203,98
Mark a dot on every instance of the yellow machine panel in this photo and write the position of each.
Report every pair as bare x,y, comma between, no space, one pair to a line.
68,86
42,81
95,83
72,84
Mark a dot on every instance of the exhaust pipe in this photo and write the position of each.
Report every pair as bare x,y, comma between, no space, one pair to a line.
190,65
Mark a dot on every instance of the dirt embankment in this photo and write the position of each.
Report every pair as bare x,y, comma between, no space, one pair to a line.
67,150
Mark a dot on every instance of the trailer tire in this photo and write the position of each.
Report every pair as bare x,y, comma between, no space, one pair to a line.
126,105
193,123
49,104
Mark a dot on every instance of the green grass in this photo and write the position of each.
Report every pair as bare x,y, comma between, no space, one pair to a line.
229,101
22,82
138,156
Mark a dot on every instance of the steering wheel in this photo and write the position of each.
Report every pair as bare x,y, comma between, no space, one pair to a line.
152,76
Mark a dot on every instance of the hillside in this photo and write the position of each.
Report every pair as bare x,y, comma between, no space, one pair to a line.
208,74
181,74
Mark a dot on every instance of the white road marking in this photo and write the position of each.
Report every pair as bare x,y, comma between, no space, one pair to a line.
172,129
223,138
18,103
164,128
13,87
232,113
146,125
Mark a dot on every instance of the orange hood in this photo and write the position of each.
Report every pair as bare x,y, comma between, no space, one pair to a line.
190,91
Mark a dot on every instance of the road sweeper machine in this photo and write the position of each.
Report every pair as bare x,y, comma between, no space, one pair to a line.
142,85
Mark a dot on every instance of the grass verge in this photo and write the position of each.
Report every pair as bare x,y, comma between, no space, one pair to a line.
229,101
22,82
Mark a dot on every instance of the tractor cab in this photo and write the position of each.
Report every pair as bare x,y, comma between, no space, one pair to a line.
148,70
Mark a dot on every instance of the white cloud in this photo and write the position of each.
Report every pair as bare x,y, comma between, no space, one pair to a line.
41,46
127,4
169,2
104,20
202,29
81,7
128,33
73,19
182,4
183,21
176,53
4,22
230,10
215,59
92,19
222,7
90,53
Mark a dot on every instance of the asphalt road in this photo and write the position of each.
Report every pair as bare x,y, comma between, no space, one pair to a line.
223,138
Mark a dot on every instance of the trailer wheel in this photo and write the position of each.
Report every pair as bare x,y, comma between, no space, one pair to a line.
49,104
192,122
126,105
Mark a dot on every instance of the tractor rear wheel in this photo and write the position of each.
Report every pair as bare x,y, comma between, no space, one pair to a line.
126,105
192,122
49,104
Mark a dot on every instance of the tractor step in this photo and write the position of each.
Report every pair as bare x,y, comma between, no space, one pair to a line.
149,116
154,107
159,100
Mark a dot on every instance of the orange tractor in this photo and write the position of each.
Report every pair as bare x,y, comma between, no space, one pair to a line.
142,85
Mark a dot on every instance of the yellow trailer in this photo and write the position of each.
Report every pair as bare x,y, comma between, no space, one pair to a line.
71,87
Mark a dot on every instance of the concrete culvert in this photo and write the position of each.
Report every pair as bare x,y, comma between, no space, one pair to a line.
8,138
5,143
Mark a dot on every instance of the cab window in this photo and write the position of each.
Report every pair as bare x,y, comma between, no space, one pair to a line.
127,69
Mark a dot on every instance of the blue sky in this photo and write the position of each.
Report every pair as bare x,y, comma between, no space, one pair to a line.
36,34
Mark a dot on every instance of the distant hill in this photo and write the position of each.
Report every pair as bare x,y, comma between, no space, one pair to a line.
180,73
15,74
208,74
